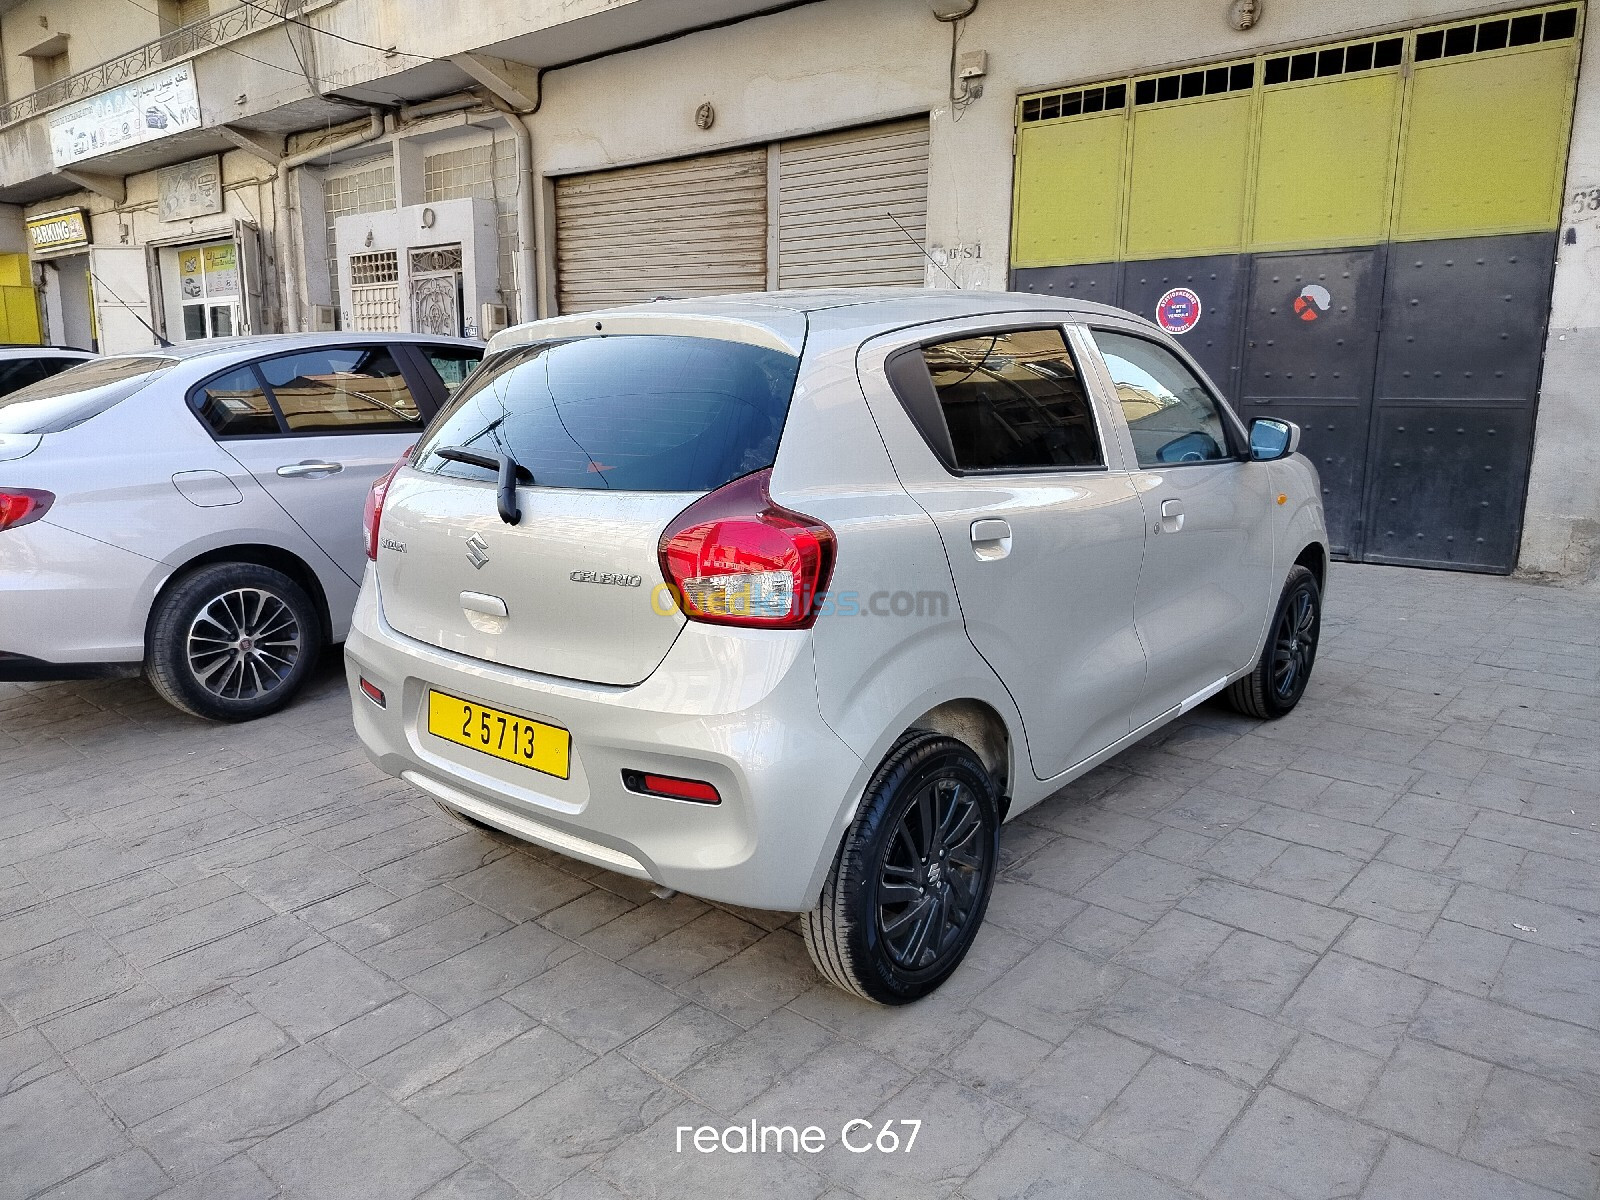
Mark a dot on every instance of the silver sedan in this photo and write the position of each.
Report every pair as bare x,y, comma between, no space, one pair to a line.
195,512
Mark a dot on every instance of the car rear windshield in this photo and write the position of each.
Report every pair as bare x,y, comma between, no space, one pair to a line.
73,396
631,412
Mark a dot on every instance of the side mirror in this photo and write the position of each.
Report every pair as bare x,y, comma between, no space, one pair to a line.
1271,440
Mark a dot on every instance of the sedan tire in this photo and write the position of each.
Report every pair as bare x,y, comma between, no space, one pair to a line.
1280,677
232,641
910,884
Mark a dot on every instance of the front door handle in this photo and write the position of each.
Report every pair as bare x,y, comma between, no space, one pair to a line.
310,468
991,539
1171,516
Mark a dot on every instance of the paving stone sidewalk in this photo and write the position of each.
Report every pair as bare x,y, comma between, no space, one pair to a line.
1352,953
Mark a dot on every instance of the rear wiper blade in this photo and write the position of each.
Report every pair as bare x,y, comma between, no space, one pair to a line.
506,469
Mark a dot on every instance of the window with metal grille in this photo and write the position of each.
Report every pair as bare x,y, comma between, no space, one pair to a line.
380,267
1202,81
1334,60
1498,33
1101,98
436,258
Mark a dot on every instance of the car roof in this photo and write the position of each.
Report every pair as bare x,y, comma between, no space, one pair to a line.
274,343
23,350
786,316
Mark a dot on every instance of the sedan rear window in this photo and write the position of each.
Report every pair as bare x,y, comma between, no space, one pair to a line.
633,412
72,397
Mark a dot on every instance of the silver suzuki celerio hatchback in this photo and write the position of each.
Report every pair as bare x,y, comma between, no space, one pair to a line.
788,600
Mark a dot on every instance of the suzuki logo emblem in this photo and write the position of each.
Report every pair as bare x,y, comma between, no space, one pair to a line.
477,551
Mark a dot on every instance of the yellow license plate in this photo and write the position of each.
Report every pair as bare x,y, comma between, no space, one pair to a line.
502,735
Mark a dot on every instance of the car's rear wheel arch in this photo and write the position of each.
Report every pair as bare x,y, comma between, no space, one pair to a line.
977,725
275,557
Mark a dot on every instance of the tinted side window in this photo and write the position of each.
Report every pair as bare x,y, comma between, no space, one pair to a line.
1012,401
454,363
1171,415
630,412
20,372
351,389
236,405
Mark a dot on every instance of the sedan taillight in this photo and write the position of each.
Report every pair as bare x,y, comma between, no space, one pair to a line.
733,557
372,515
18,506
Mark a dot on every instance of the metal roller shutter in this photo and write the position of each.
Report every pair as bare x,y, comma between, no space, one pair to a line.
694,226
852,208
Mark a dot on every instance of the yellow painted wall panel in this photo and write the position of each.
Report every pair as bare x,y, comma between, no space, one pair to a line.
1069,191
1188,178
1485,144
14,271
1326,162
20,307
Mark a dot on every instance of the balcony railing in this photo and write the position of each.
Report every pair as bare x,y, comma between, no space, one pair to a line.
227,26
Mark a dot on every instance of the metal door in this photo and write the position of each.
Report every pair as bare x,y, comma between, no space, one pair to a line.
852,208
1310,353
695,226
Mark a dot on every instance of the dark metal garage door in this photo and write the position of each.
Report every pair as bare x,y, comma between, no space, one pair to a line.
1370,229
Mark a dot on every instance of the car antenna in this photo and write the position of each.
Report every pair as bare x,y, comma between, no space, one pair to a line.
160,340
937,264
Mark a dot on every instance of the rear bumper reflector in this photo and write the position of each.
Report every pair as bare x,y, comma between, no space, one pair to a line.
373,693
696,791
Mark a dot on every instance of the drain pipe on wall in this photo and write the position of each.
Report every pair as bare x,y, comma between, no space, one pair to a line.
292,260
527,285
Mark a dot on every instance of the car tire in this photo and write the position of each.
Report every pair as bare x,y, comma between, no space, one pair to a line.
890,926
1280,677
232,641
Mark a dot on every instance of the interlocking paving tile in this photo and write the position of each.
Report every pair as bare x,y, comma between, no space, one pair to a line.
1352,952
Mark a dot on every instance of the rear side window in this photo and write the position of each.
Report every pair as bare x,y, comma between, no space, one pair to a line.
75,395
632,412
1000,401
354,389
236,405
453,363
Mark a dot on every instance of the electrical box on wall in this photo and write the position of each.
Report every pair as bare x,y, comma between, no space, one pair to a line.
425,268
324,318
492,320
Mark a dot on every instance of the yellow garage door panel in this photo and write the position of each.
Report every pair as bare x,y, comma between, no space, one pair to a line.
20,306
1485,144
1069,192
1326,163
1188,178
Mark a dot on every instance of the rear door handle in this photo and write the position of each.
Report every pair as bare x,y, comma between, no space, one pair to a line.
310,468
991,539
1171,516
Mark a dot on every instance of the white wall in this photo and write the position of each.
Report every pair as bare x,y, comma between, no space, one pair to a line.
1561,531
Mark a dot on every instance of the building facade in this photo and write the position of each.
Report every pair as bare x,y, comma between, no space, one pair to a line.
1379,220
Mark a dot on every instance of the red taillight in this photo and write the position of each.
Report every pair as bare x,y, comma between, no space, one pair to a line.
18,506
373,514
671,787
734,557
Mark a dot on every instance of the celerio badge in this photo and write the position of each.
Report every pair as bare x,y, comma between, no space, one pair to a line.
477,551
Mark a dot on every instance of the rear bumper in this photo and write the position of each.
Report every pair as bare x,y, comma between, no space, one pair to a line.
735,707
70,601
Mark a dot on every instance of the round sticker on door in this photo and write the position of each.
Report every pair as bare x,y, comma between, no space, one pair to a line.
1178,311
1312,302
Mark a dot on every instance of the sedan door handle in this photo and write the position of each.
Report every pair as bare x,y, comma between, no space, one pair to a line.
310,468
1171,516
991,539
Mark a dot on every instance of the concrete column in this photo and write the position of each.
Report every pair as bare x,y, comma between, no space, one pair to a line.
1561,526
